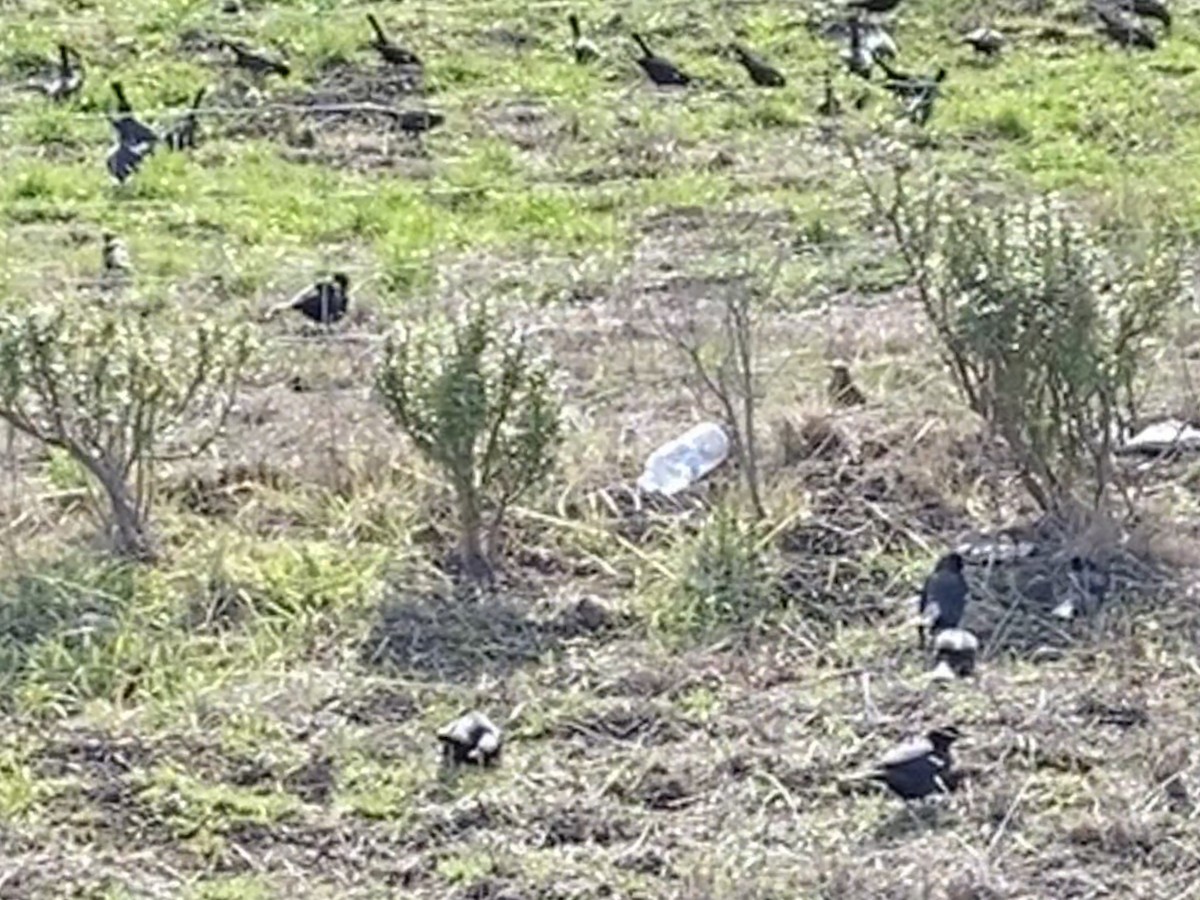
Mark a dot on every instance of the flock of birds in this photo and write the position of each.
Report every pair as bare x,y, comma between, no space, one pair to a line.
867,46
135,140
914,770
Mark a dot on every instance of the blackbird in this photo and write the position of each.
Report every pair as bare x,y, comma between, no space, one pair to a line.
943,596
916,769
761,72
661,71
389,51
325,302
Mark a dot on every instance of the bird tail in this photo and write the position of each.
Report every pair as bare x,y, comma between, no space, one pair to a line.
275,310
377,28
860,782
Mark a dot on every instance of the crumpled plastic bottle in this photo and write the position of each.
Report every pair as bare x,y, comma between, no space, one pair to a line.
684,460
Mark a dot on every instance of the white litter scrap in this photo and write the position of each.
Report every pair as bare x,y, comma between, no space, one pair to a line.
1167,436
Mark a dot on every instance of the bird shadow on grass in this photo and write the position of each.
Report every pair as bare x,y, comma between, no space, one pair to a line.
454,638
914,820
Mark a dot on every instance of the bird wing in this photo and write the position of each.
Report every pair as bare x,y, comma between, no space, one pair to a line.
487,743
907,753
880,43
1065,609
946,589
310,294
133,133
586,49
123,161
942,672
930,612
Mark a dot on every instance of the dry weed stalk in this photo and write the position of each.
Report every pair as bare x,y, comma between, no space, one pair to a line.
725,366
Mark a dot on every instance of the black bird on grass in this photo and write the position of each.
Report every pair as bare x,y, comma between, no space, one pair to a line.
761,72
954,652
415,122
857,55
325,302
123,161
132,132
919,91
1122,29
919,768
255,62
583,49
943,596
985,41
181,135
873,39
661,71
389,51
471,739
67,79
135,140
905,85
920,106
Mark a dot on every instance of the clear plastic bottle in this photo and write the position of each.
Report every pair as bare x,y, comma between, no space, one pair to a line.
684,460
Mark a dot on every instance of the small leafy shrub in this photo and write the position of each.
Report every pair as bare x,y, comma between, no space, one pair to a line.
1045,323
113,391
478,404
1048,324
727,578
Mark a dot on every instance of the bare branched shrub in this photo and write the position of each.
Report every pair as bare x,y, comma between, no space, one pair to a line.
480,405
724,360
1044,321
115,393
